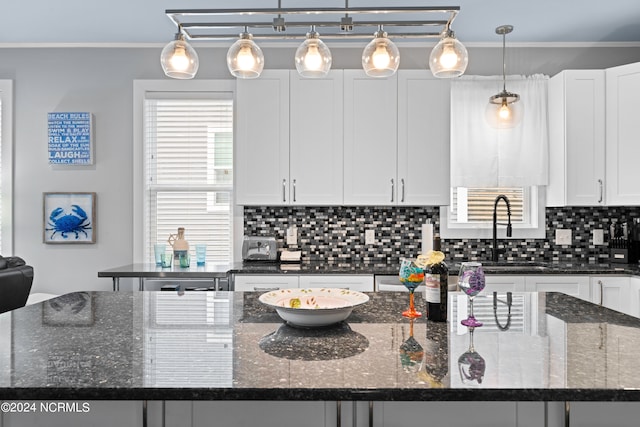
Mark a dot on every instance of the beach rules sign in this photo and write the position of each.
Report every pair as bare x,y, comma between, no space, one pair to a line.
70,138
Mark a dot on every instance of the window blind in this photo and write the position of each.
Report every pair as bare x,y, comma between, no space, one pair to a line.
189,171
475,205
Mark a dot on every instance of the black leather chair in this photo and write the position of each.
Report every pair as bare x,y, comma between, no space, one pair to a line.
16,279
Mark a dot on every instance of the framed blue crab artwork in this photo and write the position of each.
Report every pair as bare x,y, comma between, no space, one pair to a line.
69,218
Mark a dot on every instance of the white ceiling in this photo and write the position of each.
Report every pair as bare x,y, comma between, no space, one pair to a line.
144,21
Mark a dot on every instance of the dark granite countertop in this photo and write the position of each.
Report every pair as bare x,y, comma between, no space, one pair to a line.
354,267
155,271
227,345
503,267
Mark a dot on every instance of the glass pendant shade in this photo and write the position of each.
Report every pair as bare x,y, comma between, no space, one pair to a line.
381,56
179,60
244,58
504,111
449,58
313,57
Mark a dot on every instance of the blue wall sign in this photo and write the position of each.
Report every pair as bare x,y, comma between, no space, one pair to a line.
70,138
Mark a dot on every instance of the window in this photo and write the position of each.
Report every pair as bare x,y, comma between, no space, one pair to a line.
470,213
475,205
187,170
6,160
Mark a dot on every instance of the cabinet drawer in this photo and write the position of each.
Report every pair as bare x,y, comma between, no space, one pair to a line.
612,292
577,286
264,283
356,282
501,283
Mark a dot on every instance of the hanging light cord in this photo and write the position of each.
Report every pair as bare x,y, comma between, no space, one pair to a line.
504,61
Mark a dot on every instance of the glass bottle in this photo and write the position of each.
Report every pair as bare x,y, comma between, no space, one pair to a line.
436,280
179,244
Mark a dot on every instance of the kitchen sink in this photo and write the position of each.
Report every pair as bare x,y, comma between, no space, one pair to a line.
514,267
506,266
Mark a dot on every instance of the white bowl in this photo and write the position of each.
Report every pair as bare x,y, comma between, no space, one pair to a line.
313,307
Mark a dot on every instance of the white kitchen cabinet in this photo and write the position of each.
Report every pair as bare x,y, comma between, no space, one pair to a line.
500,283
90,413
611,292
262,139
289,140
370,135
574,285
264,413
356,282
256,282
598,414
460,414
634,296
423,138
344,139
315,132
576,101
266,282
622,130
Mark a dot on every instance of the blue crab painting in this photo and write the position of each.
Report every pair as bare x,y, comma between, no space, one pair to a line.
75,222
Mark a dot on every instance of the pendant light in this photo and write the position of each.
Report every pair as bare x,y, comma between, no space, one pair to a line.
503,110
179,60
313,57
244,58
381,57
449,58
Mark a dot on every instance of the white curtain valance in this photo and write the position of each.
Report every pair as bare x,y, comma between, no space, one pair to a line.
482,156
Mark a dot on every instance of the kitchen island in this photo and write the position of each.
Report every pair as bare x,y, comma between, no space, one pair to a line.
227,346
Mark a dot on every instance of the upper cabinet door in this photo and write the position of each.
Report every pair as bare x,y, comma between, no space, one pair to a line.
623,135
262,139
423,138
370,135
577,138
316,149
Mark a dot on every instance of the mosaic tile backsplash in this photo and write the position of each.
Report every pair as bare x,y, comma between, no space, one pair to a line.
336,234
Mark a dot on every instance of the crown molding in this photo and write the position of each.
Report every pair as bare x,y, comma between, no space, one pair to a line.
337,44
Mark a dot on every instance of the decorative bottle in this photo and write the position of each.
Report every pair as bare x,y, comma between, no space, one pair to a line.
436,280
179,244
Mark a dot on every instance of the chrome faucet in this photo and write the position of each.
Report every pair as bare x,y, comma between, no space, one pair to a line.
494,247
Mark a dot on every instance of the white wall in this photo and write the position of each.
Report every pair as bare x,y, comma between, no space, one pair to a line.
100,80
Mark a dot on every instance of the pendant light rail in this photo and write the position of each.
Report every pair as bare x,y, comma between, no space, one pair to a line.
207,24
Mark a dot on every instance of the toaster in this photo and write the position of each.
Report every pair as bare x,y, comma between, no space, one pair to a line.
259,248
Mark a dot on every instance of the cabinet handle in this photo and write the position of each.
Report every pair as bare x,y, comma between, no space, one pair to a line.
601,291
402,184
294,190
393,189
370,413
601,191
284,190
263,289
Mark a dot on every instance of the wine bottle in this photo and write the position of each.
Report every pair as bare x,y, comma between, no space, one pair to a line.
436,355
436,280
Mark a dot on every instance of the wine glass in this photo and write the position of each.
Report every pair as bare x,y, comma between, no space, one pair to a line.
471,281
411,276
471,365
411,352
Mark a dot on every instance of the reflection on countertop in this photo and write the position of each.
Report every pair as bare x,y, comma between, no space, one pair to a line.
227,345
